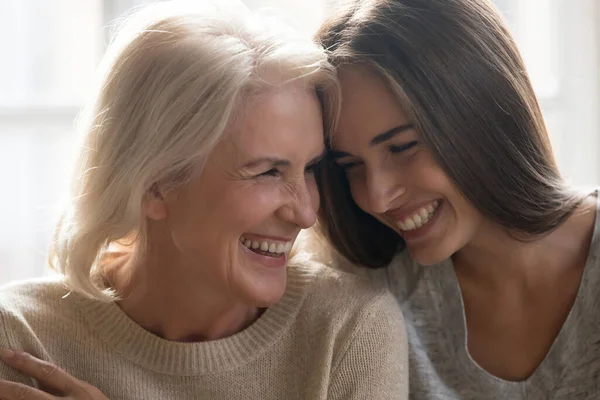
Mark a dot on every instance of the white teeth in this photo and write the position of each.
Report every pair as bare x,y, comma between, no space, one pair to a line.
275,247
420,217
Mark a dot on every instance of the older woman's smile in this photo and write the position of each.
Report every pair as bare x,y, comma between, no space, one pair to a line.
268,251
272,247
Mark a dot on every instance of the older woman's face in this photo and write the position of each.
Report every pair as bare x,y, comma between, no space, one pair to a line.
236,223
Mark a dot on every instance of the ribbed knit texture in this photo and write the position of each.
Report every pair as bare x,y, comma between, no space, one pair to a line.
333,335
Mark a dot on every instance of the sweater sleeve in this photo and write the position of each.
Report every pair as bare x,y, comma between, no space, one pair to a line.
10,325
374,364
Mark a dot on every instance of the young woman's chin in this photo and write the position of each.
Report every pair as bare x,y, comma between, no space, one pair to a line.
439,243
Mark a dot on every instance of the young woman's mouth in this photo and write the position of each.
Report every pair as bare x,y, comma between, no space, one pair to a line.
419,217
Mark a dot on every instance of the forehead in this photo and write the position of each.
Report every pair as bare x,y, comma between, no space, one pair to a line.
369,107
277,120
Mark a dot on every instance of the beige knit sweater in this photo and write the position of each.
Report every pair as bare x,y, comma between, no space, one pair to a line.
333,335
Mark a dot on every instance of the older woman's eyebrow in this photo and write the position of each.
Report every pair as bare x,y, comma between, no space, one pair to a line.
277,162
271,161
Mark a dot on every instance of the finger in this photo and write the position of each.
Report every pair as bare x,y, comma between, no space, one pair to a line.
47,374
87,391
18,391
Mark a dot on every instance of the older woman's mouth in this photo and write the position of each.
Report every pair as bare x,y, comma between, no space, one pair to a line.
270,248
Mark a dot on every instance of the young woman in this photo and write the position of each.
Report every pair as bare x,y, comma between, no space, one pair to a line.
200,151
441,169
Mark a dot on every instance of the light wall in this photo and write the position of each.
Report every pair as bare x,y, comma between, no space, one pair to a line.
49,54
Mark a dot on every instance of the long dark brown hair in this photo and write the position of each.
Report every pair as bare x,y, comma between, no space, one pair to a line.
458,73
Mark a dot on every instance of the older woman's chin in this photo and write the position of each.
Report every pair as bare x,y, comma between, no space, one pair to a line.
264,293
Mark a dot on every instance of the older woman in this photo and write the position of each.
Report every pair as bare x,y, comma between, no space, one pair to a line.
200,151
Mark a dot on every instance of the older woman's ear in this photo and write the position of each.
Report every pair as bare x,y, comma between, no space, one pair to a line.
154,205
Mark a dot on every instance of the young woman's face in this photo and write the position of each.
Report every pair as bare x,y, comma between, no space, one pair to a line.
392,174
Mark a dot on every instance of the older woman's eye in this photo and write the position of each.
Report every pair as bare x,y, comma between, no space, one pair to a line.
271,172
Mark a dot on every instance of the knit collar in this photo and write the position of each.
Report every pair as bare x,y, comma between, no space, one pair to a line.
138,345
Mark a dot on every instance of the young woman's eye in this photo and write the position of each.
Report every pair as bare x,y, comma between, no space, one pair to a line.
312,169
349,165
397,149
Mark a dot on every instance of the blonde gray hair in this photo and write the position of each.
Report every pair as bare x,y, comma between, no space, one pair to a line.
171,82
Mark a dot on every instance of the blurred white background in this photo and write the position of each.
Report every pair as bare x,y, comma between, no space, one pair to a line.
50,49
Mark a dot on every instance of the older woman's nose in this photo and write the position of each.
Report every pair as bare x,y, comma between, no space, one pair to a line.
302,206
